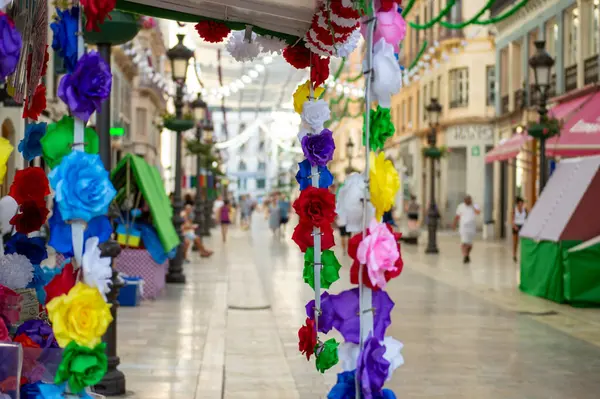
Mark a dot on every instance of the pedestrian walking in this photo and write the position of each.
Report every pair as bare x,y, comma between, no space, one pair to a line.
274,216
412,213
466,215
284,212
225,219
519,217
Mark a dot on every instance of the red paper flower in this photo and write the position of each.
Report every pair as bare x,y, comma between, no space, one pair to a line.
96,11
44,66
386,5
31,218
319,70
297,56
38,103
60,284
316,207
30,184
25,341
307,338
303,237
211,31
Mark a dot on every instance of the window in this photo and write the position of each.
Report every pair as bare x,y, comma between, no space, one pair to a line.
261,183
572,24
459,87
125,105
409,113
262,166
490,84
551,37
403,121
595,25
242,166
141,121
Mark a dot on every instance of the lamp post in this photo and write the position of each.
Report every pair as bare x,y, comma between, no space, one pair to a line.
179,56
349,148
434,109
200,110
541,63
208,128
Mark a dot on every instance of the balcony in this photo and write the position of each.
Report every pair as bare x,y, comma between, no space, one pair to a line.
447,34
504,105
499,6
147,84
520,99
590,70
570,78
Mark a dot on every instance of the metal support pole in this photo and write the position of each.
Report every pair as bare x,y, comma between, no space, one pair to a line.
198,210
175,274
543,111
432,213
103,117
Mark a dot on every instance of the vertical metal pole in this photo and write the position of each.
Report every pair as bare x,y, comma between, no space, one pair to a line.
432,214
199,219
175,274
543,111
103,117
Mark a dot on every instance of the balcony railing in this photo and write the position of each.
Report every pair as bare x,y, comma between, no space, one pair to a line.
498,6
571,78
148,84
504,106
590,70
446,34
520,99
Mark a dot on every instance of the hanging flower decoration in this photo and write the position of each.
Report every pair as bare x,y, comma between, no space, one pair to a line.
379,252
345,388
384,184
388,275
4,335
33,248
330,270
34,108
61,284
332,24
270,44
303,93
10,46
349,206
30,146
346,48
319,70
59,139
315,207
381,128
82,187
30,184
387,79
319,148
31,217
297,56
44,66
304,175
64,40
96,11
96,269
548,128
307,338
212,31
315,114
16,271
5,150
372,368
349,354
85,89
327,355
42,275
81,316
241,49
53,391
39,331
303,237
82,366
390,26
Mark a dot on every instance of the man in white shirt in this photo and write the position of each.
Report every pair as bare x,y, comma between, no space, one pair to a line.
466,214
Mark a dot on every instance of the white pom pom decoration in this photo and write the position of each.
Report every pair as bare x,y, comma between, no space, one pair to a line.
271,44
240,49
16,271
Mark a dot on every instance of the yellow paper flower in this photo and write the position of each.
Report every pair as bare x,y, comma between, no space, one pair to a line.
384,183
5,150
302,93
81,316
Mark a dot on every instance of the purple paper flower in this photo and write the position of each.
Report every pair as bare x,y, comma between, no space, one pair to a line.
318,148
87,87
39,332
372,368
327,313
10,46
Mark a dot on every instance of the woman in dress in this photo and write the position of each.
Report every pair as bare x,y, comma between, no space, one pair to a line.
519,216
225,219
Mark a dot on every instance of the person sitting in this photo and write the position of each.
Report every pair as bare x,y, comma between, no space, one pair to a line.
189,235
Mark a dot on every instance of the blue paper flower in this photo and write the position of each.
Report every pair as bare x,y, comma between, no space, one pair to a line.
31,146
34,248
81,186
64,41
51,391
303,177
60,232
41,276
345,388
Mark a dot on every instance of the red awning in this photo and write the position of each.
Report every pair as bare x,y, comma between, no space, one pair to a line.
507,148
580,134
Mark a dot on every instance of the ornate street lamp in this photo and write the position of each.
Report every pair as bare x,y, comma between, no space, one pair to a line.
541,63
200,109
349,148
180,57
434,109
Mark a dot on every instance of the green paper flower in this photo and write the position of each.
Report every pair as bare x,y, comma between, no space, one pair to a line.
327,355
381,128
82,366
58,141
329,271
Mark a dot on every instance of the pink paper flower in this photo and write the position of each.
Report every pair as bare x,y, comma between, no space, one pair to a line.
379,252
4,337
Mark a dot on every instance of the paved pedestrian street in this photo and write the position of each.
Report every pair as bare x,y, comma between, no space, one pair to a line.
231,331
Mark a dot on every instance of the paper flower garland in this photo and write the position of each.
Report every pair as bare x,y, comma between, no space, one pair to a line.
346,48
315,207
82,187
304,239
58,141
82,366
319,148
241,49
34,109
87,86
315,114
302,93
33,248
327,355
270,44
387,79
81,316
96,11
30,184
297,56
349,206
64,40
330,271
319,71
307,338
16,271
10,46
379,252
304,175
372,368
31,218
96,270
381,128
212,31
39,332
349,353
390,26
30,146
384,184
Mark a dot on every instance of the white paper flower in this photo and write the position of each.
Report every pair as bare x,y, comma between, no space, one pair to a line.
348,355
349,206
96,270
303,132
240,48
271,44
346,48
387,78
8,209
315,114
16,271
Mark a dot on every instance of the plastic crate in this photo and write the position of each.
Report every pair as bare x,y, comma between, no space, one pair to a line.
131,293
